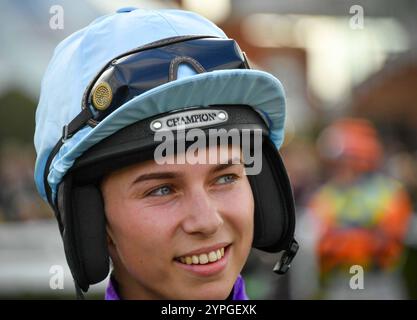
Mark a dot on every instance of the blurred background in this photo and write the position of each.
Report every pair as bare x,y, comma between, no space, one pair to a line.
350,73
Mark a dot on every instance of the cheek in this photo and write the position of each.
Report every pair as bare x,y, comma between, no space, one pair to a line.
137,232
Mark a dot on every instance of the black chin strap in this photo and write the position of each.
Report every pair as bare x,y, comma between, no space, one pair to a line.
284,263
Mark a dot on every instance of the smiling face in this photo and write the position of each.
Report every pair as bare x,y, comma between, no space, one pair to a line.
178,231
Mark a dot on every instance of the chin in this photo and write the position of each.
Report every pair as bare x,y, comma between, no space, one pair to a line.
212,292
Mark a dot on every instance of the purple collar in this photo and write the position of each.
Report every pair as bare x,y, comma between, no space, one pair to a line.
239,292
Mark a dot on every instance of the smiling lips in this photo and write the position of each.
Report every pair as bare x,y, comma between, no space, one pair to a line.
206,262
205,255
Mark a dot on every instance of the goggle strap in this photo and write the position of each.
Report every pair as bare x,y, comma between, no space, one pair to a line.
76,124
67,131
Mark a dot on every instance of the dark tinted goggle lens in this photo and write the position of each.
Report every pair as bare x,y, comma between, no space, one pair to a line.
137,72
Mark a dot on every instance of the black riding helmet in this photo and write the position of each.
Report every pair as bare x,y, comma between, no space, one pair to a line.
204,79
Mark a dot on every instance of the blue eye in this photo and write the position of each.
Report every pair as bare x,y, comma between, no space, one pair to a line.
230,178
162,191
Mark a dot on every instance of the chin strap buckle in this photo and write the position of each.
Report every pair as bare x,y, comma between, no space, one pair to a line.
284,263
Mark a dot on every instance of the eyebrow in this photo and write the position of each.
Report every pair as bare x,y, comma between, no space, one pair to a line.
226,165
174,175
156,176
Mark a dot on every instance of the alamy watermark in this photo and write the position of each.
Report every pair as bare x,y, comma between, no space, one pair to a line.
357,281
56,21
356,22
181,140
56,280
217,146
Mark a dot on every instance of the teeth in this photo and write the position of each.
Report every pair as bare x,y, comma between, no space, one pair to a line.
212,256
203,258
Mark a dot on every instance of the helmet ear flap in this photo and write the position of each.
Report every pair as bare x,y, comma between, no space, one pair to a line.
81,210
89,208
274,203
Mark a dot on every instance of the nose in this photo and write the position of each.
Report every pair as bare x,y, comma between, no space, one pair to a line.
201,214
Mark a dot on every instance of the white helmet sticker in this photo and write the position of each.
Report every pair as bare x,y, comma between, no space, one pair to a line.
189,119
